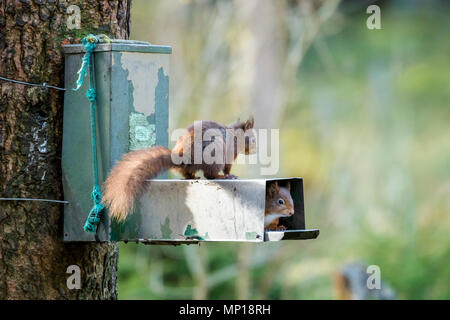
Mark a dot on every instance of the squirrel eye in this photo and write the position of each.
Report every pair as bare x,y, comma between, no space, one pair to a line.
281,201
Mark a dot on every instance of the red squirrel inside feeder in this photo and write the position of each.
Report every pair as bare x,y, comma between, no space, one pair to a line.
279,204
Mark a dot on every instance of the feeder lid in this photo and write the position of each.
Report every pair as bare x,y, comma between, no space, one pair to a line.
120,45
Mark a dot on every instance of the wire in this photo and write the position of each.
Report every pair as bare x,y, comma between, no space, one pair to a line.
30,199
43,85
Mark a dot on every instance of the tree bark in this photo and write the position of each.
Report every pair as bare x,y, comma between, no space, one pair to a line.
33,257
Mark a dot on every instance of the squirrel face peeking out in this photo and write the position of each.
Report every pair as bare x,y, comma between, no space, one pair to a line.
279,203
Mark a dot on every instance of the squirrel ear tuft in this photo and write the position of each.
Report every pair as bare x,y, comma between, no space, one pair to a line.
249,123
288,186
273,189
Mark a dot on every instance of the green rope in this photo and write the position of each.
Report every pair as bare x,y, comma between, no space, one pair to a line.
89,43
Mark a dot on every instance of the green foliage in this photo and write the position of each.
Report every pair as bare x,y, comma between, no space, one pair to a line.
368,131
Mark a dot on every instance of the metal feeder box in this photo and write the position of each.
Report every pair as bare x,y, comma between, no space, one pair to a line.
132,83
190,211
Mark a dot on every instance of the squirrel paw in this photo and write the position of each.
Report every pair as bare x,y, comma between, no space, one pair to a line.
277,228
230,176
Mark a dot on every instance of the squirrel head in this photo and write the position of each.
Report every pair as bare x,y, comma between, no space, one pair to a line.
249,135
279,199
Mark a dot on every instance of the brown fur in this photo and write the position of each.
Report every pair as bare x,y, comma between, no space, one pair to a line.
128,179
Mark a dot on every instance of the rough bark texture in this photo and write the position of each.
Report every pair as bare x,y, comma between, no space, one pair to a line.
33,257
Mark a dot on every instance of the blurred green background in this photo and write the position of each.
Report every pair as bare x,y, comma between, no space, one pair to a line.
364,118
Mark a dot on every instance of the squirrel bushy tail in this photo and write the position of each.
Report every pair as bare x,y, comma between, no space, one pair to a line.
127,179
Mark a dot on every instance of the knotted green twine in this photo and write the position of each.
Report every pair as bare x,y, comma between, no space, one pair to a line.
89,43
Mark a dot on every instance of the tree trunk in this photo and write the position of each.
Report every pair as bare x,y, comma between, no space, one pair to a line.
33,257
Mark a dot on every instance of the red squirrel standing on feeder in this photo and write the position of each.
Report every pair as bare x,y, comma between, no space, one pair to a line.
279,204
128,179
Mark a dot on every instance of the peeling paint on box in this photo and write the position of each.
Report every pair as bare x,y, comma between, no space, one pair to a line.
144,75
162,108
251,236
142,133
193,233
